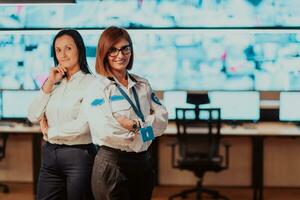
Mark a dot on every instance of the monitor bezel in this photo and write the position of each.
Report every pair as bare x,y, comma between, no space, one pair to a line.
291,121
13,119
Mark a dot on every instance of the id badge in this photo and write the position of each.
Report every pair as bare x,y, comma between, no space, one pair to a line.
147,133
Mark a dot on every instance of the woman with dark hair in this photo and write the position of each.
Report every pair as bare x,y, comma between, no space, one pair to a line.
68,153
124,116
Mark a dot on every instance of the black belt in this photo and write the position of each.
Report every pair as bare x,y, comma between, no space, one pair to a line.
125,154
79,146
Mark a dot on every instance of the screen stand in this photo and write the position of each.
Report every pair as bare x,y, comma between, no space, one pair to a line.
234,124
27,122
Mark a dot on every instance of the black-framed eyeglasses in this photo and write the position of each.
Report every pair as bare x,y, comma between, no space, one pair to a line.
113,52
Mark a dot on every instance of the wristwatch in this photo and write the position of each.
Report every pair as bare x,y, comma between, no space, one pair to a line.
135,126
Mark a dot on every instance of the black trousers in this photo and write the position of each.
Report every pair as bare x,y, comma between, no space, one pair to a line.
65,173
122,176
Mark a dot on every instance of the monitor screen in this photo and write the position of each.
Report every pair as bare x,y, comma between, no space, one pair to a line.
15,103
236,105
289,109
176,99
0,105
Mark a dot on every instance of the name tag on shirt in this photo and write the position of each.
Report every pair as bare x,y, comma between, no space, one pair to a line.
116,98
147,133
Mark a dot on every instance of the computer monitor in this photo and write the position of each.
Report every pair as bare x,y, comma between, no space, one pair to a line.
0,104
176,99
289,109
15,103
236,105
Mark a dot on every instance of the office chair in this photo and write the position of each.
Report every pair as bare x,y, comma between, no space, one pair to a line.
198,142
3,139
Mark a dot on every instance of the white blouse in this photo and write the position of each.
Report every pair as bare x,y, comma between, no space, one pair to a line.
61,108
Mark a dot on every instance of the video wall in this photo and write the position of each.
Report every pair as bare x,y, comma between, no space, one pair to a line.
179,45
171,59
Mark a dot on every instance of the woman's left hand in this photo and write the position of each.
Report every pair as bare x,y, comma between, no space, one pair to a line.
44,126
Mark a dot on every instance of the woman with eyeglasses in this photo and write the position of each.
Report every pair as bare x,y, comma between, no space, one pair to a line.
68,153
124,116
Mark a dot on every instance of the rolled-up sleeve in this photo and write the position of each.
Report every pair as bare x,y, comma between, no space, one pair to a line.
158,118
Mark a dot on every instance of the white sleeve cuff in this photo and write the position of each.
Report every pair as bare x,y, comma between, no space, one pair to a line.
137,143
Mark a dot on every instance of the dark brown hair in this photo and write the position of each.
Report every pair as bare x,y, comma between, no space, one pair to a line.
80,47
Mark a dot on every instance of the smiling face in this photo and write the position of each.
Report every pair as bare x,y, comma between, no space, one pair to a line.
119,56
66,52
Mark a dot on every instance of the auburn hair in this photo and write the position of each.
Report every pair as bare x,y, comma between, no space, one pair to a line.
108,38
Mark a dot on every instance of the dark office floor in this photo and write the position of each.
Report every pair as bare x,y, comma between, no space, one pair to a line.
24,192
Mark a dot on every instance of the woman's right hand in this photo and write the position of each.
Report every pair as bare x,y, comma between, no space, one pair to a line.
56,74
44,126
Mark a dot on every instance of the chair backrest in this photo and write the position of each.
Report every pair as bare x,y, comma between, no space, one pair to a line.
3,140
198,135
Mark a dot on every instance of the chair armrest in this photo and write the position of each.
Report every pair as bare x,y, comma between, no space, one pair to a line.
173,146
227,146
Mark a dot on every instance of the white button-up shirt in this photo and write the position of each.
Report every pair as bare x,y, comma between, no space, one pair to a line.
61,108
103,103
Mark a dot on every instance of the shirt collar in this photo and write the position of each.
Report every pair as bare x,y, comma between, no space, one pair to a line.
131,80
75,76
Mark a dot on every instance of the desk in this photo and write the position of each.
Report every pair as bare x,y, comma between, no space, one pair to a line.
258,132
249,129
34,131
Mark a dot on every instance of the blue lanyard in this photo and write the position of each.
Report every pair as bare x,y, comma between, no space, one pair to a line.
137,107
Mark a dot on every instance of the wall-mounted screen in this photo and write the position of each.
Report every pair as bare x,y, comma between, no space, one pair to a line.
171,59
15,103
289,109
